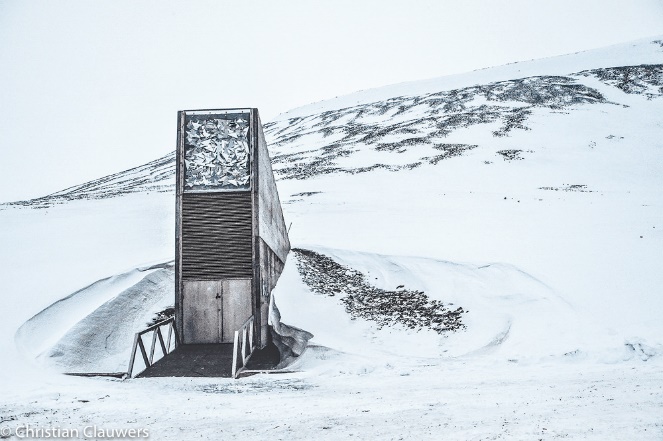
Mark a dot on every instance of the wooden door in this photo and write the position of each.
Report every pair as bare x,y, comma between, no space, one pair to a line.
237,306
202,311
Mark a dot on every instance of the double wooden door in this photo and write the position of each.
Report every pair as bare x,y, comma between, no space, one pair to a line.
212,310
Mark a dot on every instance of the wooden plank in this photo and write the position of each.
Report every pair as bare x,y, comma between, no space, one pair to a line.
235,354
251,332
156,325
143,352
170,333
152,346
246,350
133,355
161,342
98,374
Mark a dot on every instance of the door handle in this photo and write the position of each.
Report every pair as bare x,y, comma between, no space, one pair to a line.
218,296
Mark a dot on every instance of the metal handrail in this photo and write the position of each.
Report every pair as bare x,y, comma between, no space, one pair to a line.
243,346
156,334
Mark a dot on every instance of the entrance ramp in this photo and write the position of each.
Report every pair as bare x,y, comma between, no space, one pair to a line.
209,360
194,360
202,359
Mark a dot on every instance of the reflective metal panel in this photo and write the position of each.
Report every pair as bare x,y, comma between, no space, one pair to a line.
216,152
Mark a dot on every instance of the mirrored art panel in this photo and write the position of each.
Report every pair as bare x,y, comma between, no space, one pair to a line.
216,152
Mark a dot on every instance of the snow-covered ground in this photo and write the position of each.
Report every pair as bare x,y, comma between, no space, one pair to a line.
534,205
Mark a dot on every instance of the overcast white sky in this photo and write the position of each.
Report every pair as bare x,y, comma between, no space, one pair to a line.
89,88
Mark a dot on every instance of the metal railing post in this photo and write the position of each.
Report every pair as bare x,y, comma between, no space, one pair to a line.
133,355
243,346
235,348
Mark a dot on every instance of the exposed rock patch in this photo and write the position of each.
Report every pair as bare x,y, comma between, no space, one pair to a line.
511,155
417,124
580,188
645,79
409,308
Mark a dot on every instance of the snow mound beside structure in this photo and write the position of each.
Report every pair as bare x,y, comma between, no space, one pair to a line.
92,330
506,312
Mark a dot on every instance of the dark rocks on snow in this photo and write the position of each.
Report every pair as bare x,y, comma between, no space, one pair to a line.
307,193
580,188
421,121
409,308
510,155
449,151
162,315
646,79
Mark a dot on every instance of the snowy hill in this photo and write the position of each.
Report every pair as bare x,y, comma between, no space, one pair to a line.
357,133
435,126
499,231
155,176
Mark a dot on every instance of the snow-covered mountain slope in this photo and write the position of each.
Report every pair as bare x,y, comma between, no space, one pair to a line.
426,121
519,208
645,51
407,131
155,176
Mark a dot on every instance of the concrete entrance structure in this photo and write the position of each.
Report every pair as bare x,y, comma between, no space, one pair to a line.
231,238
